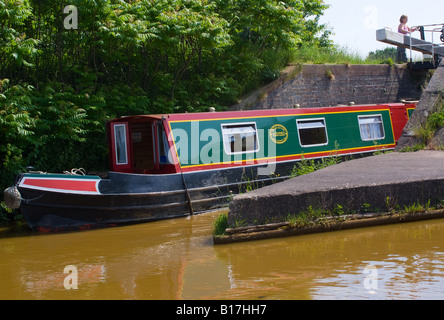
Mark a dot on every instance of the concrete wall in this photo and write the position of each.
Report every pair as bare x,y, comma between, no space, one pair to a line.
383,182
430,101
312,86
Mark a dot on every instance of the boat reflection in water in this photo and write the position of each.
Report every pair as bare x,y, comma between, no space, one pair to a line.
176,259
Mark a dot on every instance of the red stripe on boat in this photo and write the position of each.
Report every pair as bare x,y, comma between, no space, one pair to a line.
62,184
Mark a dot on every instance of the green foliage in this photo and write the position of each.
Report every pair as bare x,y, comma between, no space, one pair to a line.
417,207
220,224
311,165
308,217
59,86
435,121
315,54
387,55
186,55
16,128
331,54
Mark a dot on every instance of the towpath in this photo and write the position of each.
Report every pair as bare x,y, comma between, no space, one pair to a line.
379,182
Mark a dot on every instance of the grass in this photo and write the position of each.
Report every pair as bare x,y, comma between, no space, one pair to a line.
307,217
220,224
426,131
310,165
323,217
335,55
417,208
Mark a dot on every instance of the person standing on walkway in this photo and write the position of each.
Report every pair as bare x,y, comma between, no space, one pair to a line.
401,56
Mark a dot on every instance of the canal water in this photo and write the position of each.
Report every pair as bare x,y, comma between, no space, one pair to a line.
176,259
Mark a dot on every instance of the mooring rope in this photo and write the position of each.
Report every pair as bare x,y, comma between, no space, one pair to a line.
76,172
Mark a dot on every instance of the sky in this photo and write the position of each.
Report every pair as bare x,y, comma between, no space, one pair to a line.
354,22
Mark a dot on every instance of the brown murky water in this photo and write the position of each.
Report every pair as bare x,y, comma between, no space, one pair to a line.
176,259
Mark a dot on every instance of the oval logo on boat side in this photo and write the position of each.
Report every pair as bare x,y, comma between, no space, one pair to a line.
279,134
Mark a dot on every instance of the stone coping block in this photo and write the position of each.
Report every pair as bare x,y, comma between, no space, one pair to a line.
393,180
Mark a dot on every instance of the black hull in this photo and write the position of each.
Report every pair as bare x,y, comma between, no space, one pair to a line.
182,195
49,211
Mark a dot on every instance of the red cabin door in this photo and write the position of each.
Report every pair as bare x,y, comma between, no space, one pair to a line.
120,147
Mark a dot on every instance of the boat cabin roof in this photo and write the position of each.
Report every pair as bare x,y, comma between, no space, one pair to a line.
148,144
257,113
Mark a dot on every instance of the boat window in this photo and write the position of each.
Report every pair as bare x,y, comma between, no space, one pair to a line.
240,138
312,132
121,146
371,127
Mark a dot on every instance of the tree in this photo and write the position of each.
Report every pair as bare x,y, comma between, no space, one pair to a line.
383,55
58,86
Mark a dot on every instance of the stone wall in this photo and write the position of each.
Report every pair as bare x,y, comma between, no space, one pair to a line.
310,86
430,101
383,183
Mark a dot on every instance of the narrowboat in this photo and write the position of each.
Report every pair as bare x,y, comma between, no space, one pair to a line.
175,165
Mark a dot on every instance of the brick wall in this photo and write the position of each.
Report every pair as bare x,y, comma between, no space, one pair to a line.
330,85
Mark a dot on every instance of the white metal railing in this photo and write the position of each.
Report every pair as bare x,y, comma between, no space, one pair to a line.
433,31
